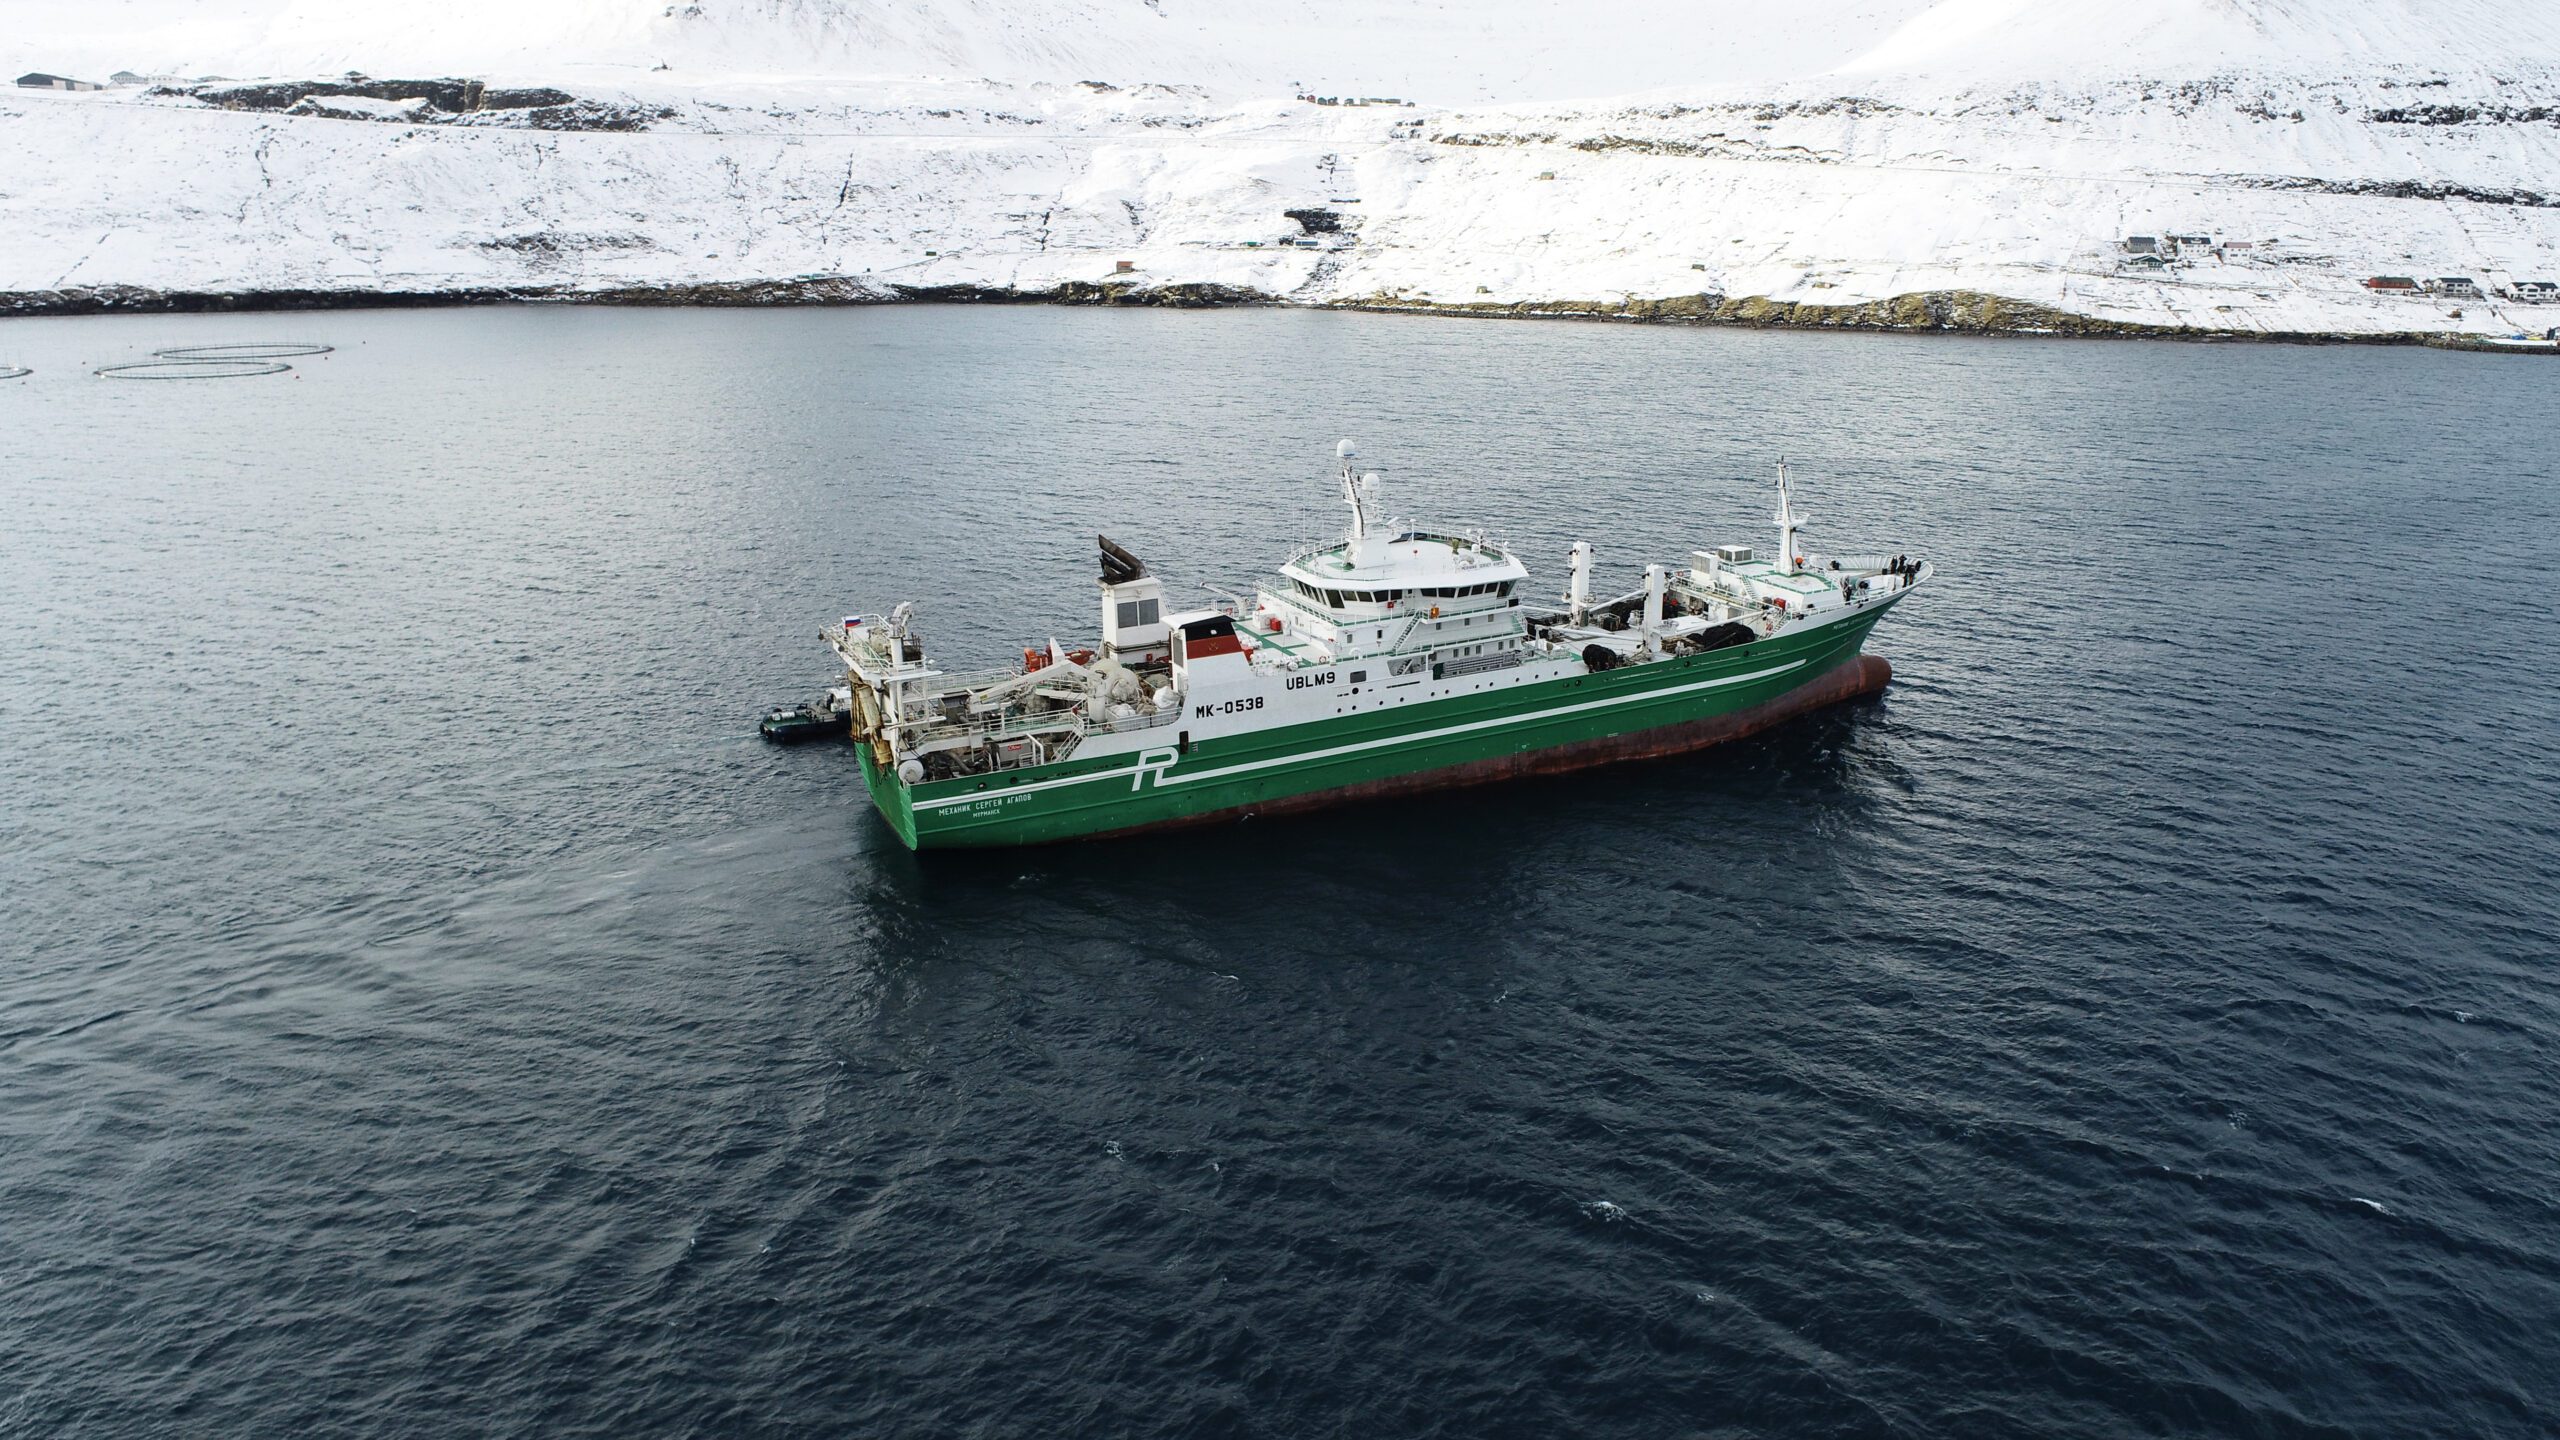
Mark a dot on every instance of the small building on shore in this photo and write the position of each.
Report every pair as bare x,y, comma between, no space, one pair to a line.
2394,284
38,80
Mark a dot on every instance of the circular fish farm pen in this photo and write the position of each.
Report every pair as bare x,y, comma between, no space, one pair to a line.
14,372
287,350
191,369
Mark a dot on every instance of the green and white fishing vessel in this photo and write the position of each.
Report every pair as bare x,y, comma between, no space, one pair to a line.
1394,660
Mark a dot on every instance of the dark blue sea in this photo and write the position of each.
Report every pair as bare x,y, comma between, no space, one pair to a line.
427,1008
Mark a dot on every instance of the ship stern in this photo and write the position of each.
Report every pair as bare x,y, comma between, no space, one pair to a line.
889,795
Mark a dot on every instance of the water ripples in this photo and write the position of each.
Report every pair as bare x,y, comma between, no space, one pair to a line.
426,999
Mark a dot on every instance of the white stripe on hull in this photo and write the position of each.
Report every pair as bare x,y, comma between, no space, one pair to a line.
1412,738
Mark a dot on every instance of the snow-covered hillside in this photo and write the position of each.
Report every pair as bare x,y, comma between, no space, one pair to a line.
1810,164
1437,51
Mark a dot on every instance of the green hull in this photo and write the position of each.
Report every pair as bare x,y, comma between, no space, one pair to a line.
1649,709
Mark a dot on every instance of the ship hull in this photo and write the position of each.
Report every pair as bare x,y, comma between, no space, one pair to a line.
1644,711
1864,675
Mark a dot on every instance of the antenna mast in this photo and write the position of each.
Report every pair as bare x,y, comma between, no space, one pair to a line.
1352,491
1788,518
1361,492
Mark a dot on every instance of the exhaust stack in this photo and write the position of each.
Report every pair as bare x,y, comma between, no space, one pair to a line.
1133,627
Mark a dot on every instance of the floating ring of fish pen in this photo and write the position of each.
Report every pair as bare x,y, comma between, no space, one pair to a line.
14,372
246,350
192,369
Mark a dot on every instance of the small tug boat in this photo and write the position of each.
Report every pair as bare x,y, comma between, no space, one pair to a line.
1395,660
795,724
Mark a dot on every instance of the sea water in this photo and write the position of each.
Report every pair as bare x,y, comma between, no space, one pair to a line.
427,1007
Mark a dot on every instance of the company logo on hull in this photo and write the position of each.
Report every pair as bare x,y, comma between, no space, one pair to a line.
1152,763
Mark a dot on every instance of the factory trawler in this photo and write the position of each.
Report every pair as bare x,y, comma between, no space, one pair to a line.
1394,660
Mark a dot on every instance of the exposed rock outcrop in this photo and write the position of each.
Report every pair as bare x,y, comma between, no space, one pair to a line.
425,102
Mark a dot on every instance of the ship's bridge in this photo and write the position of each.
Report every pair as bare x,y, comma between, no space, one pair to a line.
1412,591
1386,589
1358,580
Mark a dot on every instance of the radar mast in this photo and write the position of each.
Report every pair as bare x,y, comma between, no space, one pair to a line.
1360,492
1787,518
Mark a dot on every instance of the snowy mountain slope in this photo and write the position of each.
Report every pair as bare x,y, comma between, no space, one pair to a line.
1849,152
1994,40
1438,51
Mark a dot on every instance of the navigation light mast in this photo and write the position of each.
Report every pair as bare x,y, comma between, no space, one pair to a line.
1788,518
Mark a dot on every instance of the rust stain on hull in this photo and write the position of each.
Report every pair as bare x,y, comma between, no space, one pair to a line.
1862,676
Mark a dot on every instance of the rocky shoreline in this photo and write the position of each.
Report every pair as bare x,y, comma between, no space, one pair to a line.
1950,312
